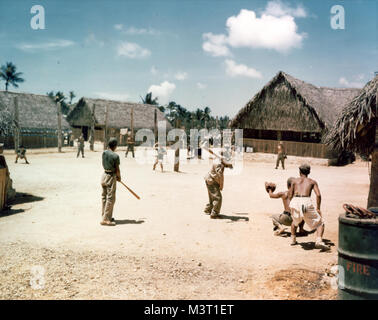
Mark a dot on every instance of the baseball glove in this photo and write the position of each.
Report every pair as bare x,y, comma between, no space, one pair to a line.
270,186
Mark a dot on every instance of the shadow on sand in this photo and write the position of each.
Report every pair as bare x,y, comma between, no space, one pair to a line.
311,245
232,218
9,212
126,221
287,234
20,198
24,198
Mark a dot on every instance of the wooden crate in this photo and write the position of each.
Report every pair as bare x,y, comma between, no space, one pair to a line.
3,187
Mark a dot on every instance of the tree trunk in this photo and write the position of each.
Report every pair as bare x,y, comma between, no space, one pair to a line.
59,107
155,125
16,126
373,192
132,123
106,127
91,141
176,166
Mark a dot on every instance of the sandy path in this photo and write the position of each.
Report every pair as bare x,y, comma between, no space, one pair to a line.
178,251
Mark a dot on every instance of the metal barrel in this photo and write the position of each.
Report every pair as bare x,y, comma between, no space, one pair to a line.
358,259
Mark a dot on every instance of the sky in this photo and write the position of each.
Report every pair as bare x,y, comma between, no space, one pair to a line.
198,53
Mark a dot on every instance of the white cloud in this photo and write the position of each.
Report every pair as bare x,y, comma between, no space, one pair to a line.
92,39
270,32
181,75
279,9
136,31
154,70
352,84
51,45
162,91
132,50
275,29
112,96
234,70
201,86
215,45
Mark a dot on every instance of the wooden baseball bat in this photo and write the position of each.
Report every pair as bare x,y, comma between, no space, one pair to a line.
133,193
211,151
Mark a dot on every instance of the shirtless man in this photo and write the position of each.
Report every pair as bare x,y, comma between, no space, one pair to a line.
301,206
160,152
283,219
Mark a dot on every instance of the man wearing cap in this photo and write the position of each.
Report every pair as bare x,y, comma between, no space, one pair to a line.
112,174
302,208
214,182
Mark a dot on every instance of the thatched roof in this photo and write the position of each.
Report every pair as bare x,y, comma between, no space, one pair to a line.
6,120
36,112
119,114
290,104
354,128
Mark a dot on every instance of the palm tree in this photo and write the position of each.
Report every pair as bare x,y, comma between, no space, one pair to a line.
206,115
59,97
72,96
10,76
148,99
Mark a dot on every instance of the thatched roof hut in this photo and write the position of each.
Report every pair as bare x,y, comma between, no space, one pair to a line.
35,112
119,114
290,104
355,127
291,110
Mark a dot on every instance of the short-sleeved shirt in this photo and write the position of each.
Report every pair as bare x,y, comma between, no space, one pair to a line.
110,160
216,173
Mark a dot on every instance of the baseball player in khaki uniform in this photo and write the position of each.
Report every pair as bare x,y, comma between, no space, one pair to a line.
214,182
112,174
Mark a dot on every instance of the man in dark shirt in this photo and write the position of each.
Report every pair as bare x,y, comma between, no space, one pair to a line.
112,174
21,153
80,146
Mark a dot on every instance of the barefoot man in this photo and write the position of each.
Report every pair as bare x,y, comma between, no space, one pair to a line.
302,207
283,219
112,174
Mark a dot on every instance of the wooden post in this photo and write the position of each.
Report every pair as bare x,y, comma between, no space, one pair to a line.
373,191
16,126
59,109
176,166
132,123
155,125
93,121
106,127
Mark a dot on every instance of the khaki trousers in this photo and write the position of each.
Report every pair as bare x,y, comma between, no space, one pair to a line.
215,198
109,186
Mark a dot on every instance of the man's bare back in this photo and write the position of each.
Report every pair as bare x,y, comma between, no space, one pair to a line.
303,186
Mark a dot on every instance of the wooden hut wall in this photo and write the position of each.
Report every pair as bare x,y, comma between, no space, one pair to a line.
301,149
33,141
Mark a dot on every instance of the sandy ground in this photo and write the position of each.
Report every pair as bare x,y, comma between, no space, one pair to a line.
164,246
